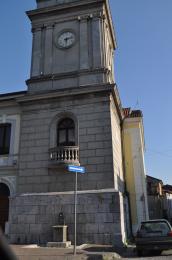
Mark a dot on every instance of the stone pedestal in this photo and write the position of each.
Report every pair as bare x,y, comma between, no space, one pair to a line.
59,237
60,233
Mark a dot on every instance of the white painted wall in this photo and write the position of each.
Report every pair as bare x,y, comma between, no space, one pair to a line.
137,142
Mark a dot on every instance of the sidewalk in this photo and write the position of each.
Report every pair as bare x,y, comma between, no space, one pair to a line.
91,252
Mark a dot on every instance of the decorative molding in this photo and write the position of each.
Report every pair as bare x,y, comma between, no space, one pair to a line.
50,10
91,16
96,15
86,89
10,181
36,29
71,74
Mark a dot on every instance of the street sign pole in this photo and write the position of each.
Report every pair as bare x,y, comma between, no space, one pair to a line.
76,169
76,188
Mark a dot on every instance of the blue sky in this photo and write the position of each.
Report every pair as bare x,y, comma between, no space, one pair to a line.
143,66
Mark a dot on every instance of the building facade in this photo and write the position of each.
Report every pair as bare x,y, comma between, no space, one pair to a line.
70,114
159,199
167,191
134,166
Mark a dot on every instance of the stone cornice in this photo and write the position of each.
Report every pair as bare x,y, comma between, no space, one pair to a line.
71,74
14,98
63,8
38,26
82,90
11,97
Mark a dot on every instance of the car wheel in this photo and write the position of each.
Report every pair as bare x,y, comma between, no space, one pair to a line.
158,252
139,252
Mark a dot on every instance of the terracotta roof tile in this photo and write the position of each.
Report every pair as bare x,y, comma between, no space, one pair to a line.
132,113
167,188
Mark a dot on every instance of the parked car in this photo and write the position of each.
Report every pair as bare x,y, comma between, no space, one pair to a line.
154,235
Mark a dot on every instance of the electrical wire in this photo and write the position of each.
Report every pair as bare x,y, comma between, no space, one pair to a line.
159,153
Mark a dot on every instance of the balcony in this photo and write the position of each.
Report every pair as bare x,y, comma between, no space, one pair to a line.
9,160
64,155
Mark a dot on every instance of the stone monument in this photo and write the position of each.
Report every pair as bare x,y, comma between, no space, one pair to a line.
60,234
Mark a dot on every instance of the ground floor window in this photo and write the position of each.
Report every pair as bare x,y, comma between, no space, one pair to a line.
5,136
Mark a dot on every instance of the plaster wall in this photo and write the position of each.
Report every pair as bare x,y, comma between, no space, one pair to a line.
135,171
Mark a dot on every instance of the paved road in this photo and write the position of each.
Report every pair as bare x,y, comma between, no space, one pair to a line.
165,255
25,253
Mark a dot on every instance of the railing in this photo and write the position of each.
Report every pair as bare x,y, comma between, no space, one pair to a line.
64,154
8,160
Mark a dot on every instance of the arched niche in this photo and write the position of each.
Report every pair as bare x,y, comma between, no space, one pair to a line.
10,181
54,124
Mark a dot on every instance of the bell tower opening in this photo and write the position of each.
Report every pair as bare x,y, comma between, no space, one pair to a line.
4,205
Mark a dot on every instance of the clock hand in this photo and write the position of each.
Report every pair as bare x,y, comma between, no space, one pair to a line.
68,38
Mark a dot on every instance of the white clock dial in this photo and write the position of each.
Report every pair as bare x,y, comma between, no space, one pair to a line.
66,39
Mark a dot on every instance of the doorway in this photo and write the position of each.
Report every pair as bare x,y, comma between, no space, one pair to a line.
4,205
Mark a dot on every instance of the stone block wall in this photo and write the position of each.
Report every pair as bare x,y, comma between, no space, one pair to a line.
117,148
98,217
95,144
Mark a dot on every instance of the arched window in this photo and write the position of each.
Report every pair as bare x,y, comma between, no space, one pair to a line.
66,132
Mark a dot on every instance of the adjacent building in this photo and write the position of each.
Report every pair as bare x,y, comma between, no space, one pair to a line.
159,199
155,197
134,166
167,190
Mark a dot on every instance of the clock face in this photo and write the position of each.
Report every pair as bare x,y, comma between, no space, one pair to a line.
66,39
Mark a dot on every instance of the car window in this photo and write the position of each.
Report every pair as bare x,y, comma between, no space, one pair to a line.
156,228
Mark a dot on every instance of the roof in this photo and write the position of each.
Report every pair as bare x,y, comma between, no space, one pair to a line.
129,113
167,188
156,220
12,95
153,178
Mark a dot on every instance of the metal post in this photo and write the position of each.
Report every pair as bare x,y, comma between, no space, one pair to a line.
76,188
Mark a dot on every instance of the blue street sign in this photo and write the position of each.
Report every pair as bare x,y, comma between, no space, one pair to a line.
72,168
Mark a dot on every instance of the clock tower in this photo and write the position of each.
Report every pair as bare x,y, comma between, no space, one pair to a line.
73,44
71,114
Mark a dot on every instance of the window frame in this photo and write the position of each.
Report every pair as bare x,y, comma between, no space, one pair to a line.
71,126
6,140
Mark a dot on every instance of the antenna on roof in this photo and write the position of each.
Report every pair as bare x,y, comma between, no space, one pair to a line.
137,104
